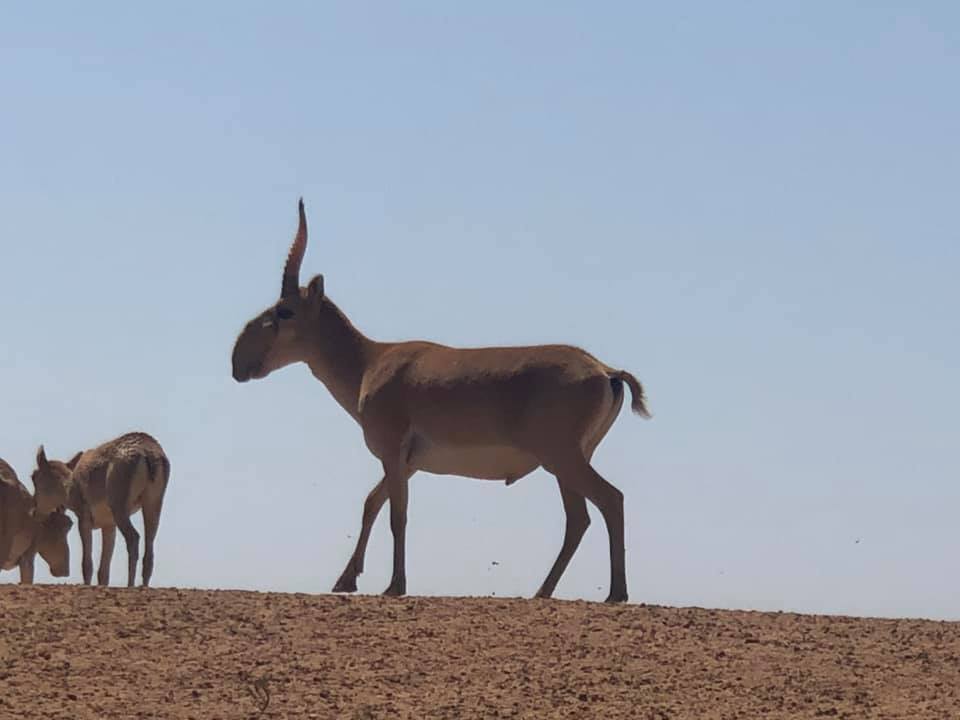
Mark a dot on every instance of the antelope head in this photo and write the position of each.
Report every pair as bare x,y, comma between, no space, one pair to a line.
52,543
275,338
50,482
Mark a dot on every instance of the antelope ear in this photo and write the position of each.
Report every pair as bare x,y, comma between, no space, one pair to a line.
72,463
41,457
315,288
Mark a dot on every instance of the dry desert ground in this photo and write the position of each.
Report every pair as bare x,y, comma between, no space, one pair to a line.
77,652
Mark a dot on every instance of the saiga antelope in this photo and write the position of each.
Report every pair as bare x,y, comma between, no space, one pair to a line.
495,413
24,532
104,487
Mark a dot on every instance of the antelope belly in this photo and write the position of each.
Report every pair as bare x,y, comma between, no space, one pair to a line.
483,462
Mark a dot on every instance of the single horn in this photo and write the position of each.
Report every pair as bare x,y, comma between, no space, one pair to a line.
291,271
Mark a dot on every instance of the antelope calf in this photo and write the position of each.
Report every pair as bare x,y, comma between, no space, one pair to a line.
494,413
104,487
24,532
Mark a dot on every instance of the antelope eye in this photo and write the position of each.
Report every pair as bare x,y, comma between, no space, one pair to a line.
284,313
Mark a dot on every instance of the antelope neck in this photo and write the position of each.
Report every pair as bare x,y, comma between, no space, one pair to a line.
338,355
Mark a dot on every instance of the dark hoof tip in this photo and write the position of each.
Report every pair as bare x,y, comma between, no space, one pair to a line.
345,586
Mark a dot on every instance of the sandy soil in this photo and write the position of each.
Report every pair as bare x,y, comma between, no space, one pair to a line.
76,652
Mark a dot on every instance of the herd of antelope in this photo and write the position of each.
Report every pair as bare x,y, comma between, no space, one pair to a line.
492,413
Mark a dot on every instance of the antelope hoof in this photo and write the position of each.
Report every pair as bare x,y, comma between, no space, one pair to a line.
345,585
396,590
618,596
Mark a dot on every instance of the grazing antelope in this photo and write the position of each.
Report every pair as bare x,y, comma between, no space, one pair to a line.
104,487
24,532
495,413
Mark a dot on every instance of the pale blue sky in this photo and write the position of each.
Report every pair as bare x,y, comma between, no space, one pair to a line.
753,207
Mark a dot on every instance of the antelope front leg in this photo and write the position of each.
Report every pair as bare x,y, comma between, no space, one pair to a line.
108,538
6,543
86,545
398,490
371,509
26,565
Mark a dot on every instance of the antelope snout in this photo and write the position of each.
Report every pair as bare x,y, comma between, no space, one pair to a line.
243,373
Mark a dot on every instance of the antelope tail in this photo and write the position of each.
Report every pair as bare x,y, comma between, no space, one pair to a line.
639,404
158,469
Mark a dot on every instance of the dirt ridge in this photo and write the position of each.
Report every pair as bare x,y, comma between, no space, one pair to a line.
79,652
